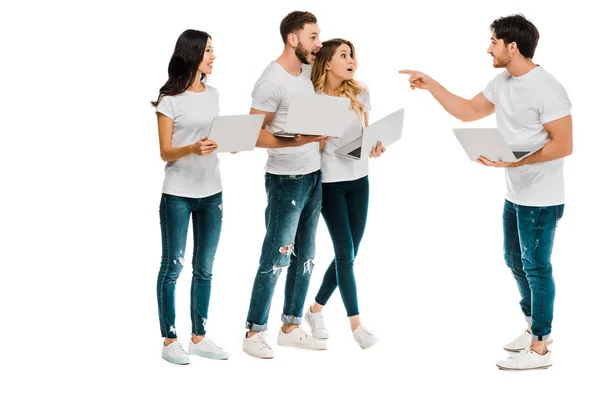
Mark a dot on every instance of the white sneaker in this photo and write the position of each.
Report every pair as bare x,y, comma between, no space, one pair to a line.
300,338
207,348
258,346
522,342
317,324
364,337
526,359
175,354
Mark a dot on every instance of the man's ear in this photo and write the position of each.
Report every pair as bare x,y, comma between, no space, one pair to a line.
293,40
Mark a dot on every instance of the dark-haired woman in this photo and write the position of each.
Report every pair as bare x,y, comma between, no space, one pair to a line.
185,109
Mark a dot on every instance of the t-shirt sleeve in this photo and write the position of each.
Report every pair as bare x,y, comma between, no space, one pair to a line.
218,102
489,91
365,97
554,102
166,108
266,95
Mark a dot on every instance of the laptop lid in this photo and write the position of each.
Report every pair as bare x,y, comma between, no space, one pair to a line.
486,142
388,130
313,114
234,133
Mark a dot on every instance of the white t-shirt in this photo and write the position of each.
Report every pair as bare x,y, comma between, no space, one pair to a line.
523,104
192,114
337,168
272,93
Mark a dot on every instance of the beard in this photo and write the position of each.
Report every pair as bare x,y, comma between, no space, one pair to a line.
502,61
302,54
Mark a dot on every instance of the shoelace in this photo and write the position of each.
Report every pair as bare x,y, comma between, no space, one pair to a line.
178,349
363,332
306,334
262,338
212,345
521,353
319,322
364,335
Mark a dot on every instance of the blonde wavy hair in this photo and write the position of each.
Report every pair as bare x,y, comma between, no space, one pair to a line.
350,88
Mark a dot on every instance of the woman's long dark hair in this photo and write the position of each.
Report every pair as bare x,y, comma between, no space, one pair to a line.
183,67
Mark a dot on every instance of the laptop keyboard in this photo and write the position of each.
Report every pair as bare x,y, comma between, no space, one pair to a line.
519,154
355,152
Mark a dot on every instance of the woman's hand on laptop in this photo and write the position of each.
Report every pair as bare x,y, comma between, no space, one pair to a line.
498,164
377,150
204,147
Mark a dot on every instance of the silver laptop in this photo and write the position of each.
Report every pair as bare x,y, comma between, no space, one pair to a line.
489,143
234,133
388,130
316,115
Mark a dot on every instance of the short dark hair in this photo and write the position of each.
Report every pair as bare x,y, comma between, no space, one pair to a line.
516,28
294,22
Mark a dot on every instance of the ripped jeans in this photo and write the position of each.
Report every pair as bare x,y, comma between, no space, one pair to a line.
291,218
175,214
528,241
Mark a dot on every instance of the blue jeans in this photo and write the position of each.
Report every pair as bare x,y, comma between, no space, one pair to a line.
528,240
291,218
345,206
207,216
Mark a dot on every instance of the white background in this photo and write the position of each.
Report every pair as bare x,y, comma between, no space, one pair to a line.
81,182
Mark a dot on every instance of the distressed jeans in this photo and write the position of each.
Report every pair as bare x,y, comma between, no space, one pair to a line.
291,218
528,241
175,214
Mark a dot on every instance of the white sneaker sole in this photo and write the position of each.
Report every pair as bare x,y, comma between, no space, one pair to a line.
255,356
523,348
300,346
368,346
522,369
212,356
175,363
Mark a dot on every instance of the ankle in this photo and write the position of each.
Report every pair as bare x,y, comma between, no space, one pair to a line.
354,322
168,341
251,333
197,339
288,328
316,308
540,347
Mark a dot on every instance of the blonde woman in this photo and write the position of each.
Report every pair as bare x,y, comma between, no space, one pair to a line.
345,186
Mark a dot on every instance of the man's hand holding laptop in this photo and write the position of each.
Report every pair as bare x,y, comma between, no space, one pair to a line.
497,164
301,140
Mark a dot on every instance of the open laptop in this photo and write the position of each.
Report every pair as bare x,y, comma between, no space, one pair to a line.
316,115
388,130
489,143
234,133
